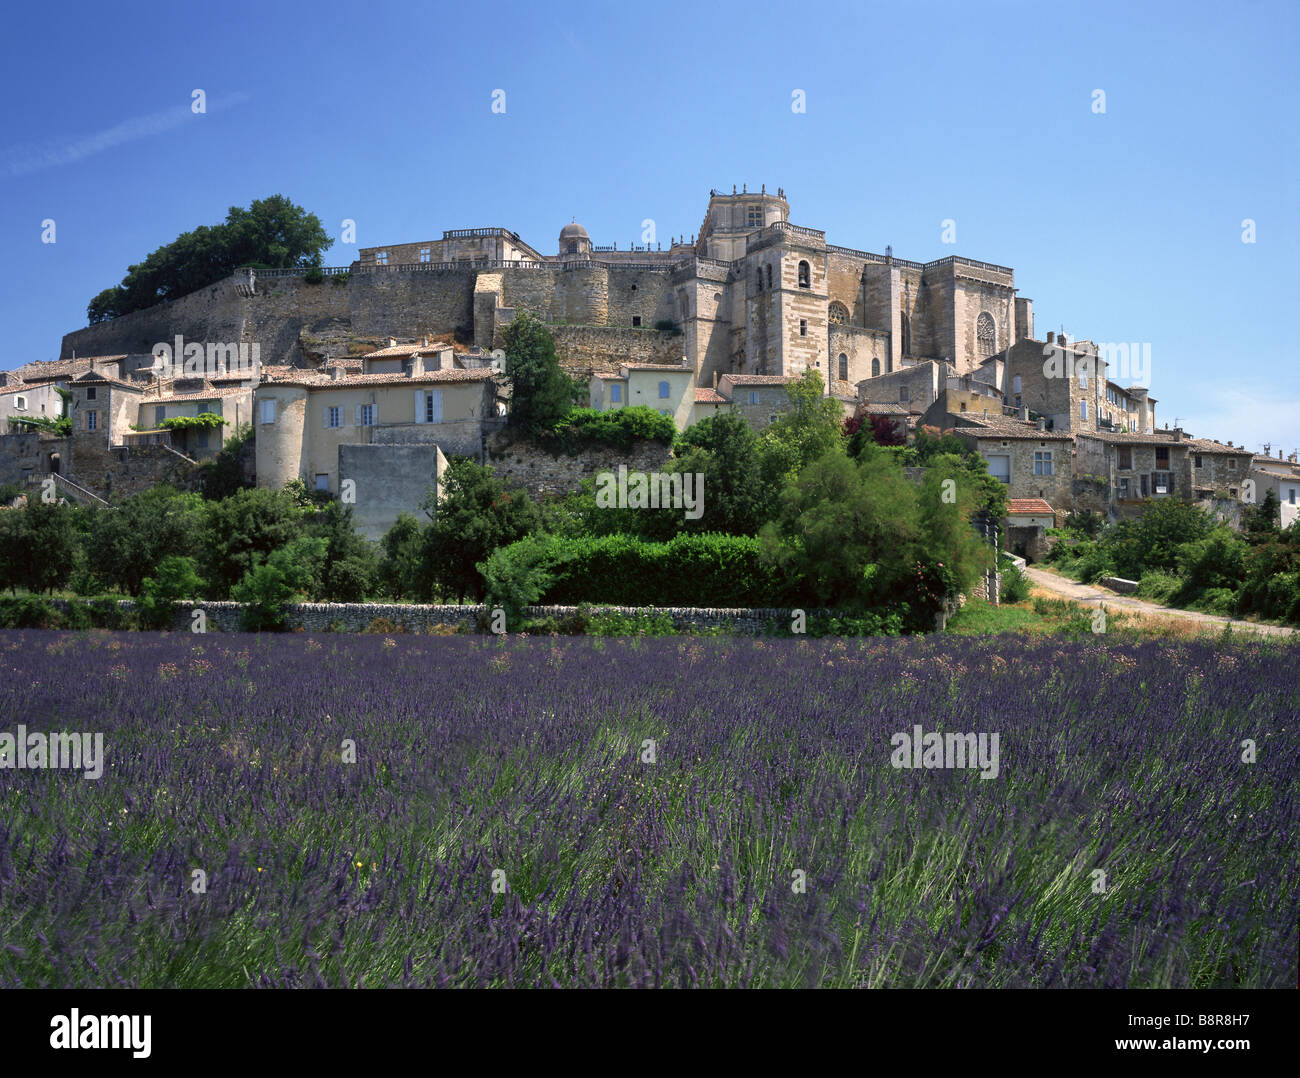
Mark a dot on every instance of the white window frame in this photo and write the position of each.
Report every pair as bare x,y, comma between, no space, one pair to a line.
20,402
1083,410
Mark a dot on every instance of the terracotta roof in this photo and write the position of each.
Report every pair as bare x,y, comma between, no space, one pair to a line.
317,380
231,392
54,369
709,396
1209,445
94,378
759,379
991,426
656,367
395,350
1020,507
1165,437
871,408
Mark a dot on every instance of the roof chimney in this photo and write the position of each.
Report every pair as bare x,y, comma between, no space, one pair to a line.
336,372
415,367
392,342
1051,336
1024,414
1042,423
1178,434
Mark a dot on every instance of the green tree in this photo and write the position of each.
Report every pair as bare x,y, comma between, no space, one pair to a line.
476,515
846,530
517,576
176,579
350,569
812,428
224,474
270,232
286,575
541,393
741,480
129,541
401,571
40,546
242,531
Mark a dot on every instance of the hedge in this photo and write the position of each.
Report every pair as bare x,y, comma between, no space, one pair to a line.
689,570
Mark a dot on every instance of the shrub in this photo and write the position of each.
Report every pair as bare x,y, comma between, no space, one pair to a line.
1015,584
688,570
176,579
617,427
28,612
517,575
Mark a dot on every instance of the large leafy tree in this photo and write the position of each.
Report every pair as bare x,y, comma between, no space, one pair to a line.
475,516
270,232
541,393
40,546
128,543
242,531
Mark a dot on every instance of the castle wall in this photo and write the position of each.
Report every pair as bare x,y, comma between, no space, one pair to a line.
520,464
602,348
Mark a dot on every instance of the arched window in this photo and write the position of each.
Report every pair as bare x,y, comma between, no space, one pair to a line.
838,314
573,247
804,275
844,367
875,368
769,275
986,337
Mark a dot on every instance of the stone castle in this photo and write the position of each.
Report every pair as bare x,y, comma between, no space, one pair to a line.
751,294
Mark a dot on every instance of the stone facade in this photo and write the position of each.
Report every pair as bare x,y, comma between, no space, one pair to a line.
753,293
521,464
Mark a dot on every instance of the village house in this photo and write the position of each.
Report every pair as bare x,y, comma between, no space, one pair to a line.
1032,461
1282,477
1165,463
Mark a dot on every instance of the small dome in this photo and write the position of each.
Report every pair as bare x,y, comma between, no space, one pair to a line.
574,231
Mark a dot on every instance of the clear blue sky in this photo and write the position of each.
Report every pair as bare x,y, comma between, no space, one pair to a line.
1121,227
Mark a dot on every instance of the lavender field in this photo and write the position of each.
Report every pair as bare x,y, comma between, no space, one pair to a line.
502,824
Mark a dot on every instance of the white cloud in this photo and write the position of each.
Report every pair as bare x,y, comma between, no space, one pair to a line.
1246,416
67,150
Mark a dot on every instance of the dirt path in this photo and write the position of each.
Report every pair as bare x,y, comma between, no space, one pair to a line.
1091,594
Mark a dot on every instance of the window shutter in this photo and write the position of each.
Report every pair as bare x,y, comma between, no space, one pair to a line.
419,405
358,415
325,416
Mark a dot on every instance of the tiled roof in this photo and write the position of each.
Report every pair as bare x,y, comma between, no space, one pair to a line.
759,379
991,426
1019,507
1126,438
233,391
317,380
1209,445
55,369
656,367
395,350
870,408
709,396
94,378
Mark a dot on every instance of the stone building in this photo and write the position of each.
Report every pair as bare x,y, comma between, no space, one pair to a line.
1134,467
1034,462
1282,477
